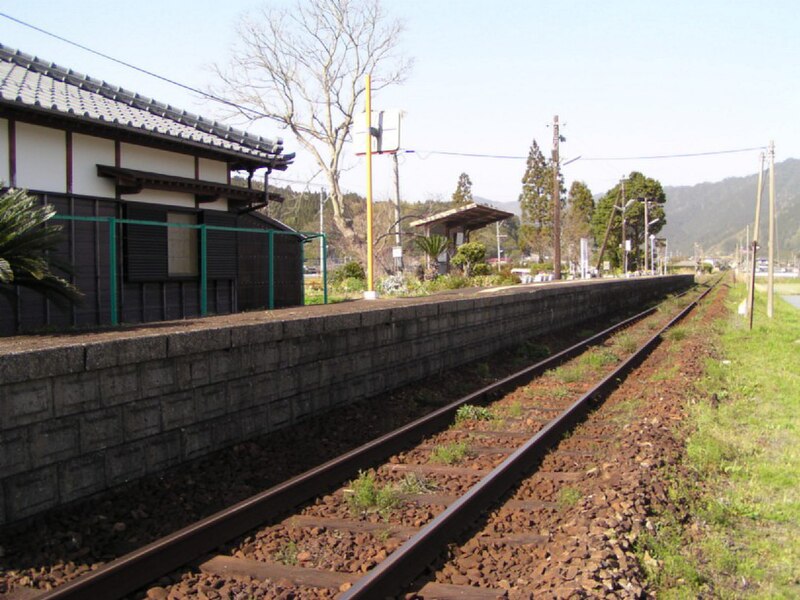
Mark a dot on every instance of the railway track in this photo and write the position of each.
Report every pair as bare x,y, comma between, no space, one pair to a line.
388,525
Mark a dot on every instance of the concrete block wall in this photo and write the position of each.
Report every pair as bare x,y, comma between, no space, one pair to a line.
80,419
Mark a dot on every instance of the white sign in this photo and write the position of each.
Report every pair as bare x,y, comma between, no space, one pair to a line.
385,131
606,265
397,252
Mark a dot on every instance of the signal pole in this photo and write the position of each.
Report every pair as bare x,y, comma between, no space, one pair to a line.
771,266
556,204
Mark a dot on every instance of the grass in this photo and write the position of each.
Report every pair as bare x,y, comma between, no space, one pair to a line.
365,494
471,412
571,373
744,465
568,497
626,342
597,358
287,555
414,483
450,454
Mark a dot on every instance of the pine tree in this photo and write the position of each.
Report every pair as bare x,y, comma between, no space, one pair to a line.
463,193
536,202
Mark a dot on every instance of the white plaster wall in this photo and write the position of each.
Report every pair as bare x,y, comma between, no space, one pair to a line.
156,161
213,170
88,152
162,198
41,158
5,175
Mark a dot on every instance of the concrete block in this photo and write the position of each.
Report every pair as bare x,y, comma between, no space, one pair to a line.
378,316
125,463
222,366
81,477
197,440
226,431
341,322
427,310
141,419
258,333
162,451
101,429
195,342
280,412
254,421
25,403
287,384
30,493
241,394
157,378
177,410
76,393
303,406
37,364
403,314
192,371
211,401
288,353
119,385
54,440
3,515
308,376
101,355
265,358
296,328
15,451
247,361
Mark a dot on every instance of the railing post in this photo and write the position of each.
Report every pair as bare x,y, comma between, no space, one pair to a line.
203,270
302,273
271,235
112,269
324,268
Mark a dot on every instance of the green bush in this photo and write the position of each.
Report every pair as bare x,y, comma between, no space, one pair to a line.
468,255
351,270
481,269
351,284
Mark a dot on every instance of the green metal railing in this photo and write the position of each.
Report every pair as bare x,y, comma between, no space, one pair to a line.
114,222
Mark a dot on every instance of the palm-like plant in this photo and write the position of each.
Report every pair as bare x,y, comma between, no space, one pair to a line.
25,241
432,246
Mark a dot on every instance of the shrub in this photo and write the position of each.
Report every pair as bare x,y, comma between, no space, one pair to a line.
351,270
468,255
481,269
394,284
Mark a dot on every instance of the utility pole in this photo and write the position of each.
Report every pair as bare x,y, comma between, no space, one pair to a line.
624,238
646,229
398,242
608,230
771,267
756,225
556,204
497,224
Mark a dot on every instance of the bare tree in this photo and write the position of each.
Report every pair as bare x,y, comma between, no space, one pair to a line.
305,69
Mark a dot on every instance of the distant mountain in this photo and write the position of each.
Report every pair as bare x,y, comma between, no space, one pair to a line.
715,215
512,207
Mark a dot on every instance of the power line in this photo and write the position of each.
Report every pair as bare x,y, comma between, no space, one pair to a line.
258,113
686,155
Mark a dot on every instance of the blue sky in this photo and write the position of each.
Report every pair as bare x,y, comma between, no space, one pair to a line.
634,78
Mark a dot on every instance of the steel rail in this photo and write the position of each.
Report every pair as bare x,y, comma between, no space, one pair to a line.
399,569
140,567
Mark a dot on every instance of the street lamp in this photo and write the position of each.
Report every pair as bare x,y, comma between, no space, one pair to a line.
625,244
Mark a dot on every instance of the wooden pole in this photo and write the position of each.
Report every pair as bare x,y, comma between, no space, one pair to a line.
754,253
556,204
771,243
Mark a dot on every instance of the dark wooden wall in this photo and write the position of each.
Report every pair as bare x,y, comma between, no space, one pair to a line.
238,276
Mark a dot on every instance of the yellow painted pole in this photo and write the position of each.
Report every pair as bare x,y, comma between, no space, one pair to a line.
370,274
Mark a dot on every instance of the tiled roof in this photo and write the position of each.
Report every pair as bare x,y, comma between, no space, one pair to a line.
27,81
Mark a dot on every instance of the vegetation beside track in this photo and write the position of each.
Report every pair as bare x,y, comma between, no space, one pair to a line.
734,530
